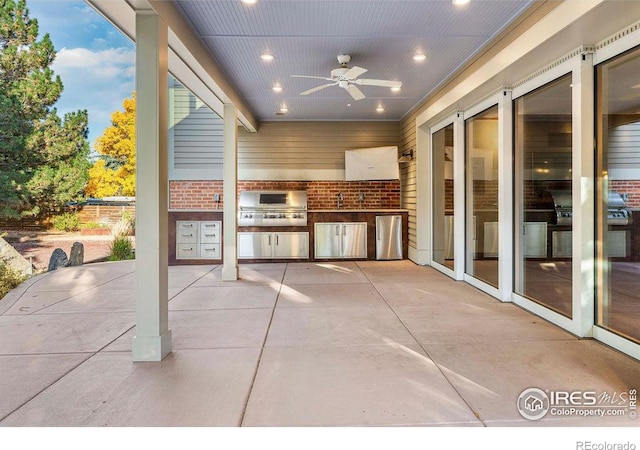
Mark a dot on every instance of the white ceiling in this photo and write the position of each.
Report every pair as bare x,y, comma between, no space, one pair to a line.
305,37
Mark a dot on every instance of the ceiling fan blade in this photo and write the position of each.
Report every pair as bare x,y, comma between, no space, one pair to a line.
383,83
315,89
354,73
310,76
355,92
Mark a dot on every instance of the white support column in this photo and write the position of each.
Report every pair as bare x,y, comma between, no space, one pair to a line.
230,185
583,170
152,341
505,196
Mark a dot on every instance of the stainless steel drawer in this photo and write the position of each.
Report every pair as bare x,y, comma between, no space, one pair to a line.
210,251
209,232
186,232
187,251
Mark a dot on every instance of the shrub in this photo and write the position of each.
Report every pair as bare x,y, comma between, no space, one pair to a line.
121,249
125,226
93,225
66,222
9,278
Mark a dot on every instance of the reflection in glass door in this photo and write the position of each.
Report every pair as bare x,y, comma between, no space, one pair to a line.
482,196
543,195
617,206
442,178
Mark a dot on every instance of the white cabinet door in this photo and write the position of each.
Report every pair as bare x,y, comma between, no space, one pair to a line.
354,240
291,245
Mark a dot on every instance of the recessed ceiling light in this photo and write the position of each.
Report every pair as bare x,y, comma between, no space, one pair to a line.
395,89
249,2
277,88
419,57
284,109
267,57
349,104
380,108
460,2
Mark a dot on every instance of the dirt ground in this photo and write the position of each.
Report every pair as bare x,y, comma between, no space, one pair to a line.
40,244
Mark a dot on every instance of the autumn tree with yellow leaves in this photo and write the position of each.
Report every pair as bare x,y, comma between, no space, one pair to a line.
114,173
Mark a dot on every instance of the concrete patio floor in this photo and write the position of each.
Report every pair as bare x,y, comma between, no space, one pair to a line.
299,344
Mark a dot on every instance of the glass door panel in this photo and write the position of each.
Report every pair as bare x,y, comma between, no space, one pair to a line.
482,196
618,204
442,178
543,199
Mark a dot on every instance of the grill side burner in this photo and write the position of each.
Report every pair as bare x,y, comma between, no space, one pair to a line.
272,208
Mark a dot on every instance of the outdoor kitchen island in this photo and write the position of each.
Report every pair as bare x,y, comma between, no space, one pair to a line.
296,238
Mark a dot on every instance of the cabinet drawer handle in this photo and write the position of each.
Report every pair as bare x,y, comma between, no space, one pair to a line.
344,230
210,235
187,235
185,225
337,230
188,249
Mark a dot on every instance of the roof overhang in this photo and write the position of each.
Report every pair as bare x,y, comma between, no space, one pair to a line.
189,60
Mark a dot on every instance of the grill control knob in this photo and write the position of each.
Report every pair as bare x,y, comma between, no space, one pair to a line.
264,216
280,216
295,216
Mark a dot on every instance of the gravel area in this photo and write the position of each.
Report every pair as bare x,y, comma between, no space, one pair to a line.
40,244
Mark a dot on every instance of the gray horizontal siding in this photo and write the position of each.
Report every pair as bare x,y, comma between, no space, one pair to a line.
195,137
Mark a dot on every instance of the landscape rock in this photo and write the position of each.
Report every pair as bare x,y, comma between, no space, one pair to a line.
58,259
15,260
76,257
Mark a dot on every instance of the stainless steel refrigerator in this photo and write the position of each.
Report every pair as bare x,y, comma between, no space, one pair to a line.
388,237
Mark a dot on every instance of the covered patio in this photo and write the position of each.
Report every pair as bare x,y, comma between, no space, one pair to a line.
297,344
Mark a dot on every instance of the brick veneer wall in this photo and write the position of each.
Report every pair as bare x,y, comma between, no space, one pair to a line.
321,194
194,194
631,187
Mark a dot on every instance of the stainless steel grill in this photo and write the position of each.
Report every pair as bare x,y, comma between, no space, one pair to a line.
272,208
617,211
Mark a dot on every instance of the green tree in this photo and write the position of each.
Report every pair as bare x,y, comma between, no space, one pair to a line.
43,159
115,172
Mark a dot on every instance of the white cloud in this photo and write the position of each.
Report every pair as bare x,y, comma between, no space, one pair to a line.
85,58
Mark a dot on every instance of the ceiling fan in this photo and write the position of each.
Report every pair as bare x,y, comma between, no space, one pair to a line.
347,79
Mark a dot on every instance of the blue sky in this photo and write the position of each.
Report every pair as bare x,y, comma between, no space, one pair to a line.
95,61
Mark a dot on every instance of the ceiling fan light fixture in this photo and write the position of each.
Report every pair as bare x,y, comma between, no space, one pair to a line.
419,57
267,57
